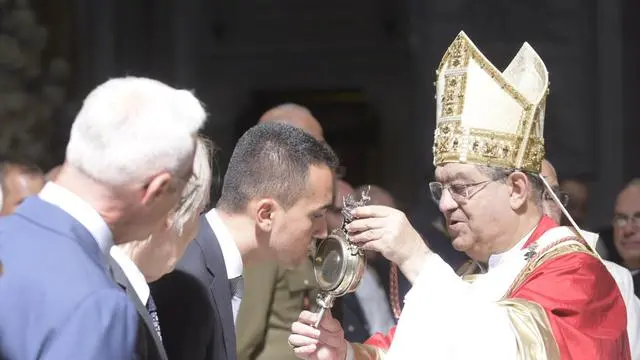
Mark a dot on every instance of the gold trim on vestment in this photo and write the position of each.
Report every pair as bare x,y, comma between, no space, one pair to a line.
530,321
561,247
367,352
534,335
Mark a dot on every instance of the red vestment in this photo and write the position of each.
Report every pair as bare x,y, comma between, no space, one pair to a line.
581,300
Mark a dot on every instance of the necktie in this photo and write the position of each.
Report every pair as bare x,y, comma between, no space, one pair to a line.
153,312
237,287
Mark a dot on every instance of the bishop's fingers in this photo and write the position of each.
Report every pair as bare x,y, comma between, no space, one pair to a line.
364,237
371,211
360,225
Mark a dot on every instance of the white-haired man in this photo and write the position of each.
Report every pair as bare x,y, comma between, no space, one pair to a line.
129,157
546,294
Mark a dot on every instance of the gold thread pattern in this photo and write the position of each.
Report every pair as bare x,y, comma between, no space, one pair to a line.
453,98
484,147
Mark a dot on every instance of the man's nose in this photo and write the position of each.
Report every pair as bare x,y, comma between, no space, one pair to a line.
628,229
447,204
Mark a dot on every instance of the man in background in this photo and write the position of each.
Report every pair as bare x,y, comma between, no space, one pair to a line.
18,180
274,295
112,189
626,229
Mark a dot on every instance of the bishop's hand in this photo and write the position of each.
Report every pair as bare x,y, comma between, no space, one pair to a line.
324,343
387,230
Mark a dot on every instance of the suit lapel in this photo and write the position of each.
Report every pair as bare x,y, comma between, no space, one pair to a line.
220,287
120,277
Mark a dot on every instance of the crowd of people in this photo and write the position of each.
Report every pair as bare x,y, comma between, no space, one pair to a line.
119,253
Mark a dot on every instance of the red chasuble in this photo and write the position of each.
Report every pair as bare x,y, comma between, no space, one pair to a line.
582,301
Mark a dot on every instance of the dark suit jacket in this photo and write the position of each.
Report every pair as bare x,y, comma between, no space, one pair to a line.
57,298
194,303
354,322
149,345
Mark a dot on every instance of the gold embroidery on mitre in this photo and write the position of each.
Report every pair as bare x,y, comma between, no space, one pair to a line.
512,139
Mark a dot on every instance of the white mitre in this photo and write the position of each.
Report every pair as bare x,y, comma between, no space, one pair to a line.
488,117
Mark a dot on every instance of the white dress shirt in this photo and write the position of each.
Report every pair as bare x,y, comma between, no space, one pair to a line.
230,253
133,274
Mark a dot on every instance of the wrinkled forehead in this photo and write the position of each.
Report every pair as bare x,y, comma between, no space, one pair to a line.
451,172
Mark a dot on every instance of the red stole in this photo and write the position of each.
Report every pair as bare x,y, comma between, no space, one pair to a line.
583,303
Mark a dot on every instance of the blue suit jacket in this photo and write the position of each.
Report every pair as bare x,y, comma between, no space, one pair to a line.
194,303
57,299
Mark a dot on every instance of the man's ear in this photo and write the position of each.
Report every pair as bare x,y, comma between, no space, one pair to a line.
520,189
265,213
158,186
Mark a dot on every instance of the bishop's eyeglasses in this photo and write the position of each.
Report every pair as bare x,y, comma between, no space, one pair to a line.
459,191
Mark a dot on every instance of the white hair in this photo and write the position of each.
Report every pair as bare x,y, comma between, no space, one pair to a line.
132,128
195,195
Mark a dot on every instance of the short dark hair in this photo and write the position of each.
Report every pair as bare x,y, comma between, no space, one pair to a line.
272,160
500,174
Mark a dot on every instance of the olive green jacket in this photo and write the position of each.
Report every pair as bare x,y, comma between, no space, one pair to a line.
273,299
